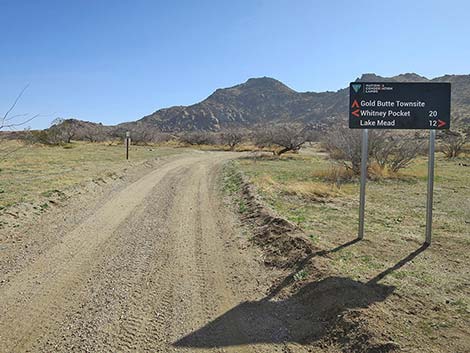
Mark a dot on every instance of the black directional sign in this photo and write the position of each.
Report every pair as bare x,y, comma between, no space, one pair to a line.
392,105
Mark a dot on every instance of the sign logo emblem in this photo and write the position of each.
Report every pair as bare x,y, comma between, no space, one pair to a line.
356,87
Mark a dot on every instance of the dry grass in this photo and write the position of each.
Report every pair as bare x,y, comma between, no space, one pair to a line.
339,174
307,190
312,190
306,185
35,170
336,174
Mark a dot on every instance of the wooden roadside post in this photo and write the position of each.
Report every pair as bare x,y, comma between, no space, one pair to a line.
127,143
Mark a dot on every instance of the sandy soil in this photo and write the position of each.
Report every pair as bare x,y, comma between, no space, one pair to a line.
154,265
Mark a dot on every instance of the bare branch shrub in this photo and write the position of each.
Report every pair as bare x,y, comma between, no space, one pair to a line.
404,152
389,152
47,137
12,121
161,137
91,134
393,152
381,147
231,138
344,145
62,130
147,134
289,137
198,138
453,142
9,121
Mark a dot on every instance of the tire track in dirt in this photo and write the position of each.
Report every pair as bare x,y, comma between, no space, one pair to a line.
132,320
213,260
230,286
188,281
149,310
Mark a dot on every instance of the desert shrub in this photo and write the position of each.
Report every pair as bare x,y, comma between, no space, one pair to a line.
404,152
287,137
385,150
144,135
453,142
393,152
381,147
198,138
63,130
231,137
344,146
46,137
92,134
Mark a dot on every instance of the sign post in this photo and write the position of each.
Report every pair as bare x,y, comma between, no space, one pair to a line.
399,105
432,141
362,196
128,142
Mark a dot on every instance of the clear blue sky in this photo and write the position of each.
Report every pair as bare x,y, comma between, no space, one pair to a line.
117,60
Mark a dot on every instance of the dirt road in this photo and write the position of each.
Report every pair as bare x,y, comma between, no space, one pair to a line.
137,269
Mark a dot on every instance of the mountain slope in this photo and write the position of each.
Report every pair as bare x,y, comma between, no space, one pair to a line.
266,100
258,100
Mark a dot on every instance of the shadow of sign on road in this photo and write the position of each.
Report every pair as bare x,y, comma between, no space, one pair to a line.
305,317
301,318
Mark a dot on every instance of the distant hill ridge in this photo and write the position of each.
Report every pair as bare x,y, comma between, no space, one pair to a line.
266,100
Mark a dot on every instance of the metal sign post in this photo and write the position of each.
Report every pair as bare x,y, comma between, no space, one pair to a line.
362,197
432,142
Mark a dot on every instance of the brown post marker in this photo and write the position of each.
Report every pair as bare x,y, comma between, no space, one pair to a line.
128,142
